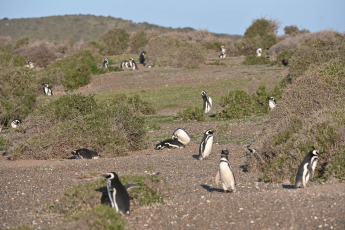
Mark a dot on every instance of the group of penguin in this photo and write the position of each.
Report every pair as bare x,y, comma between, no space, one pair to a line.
128,64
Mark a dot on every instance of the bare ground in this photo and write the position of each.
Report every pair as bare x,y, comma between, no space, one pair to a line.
195,202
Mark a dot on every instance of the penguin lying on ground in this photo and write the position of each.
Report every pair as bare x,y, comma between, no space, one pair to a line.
15,123
181,135
306,169
224,173
205,147
170,144
117,193
84,154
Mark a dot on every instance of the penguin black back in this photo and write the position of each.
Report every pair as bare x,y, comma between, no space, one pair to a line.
170,144
118,194
85,154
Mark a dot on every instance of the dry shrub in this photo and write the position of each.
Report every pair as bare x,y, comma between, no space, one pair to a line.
318,49
291,43
174,51
40,53
5,43
311,113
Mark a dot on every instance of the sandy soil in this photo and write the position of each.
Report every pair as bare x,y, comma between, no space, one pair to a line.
195,202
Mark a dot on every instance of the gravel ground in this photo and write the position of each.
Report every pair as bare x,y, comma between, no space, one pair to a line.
195,202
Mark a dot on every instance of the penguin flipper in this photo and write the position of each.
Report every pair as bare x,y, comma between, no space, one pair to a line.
129,186
217,177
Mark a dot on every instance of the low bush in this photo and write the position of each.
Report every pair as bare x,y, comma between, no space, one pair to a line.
167,50
88,204
17,93
311,113
138,41
72,72
111,128
285,57
9,60
191,114
239,104
115,42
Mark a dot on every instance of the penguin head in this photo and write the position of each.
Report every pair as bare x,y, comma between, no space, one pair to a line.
131,59
210,132
271,98
159,146
46,85
111,175
203,94
225,153
315,152
16,122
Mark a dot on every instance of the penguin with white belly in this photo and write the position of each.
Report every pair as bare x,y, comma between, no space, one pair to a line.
225,173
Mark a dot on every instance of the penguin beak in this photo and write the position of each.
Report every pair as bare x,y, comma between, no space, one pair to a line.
106,175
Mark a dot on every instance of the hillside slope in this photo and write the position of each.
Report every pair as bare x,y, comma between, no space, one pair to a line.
77,28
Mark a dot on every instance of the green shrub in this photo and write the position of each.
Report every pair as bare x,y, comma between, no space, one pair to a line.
89,203
115,41
138,41
22,42
262,33
18,94
316,50
167,50
112,128
254,60
309,114
293,30
191,114
9,60
285,55
4,143
213,45
72,72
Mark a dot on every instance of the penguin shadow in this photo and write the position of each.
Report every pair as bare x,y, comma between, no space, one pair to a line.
196,156
289,186
212,189
105,197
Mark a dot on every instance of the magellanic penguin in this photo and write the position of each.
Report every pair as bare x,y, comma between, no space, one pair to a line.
306,169
206,144
132,65
181,135
48,90
15,123
259,52
271,103
85,154
142,58
170,144
124,64
225,174
106,63
117,193
207,102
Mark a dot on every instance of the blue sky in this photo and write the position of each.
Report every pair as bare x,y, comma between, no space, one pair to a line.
219,16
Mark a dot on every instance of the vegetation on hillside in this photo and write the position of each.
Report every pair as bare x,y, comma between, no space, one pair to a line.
311,113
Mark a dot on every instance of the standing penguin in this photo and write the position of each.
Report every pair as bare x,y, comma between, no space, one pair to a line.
259,52
224,173
271,103
48,90
117,193
181,135
206,145
207,102
306,169
106,63
142,58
